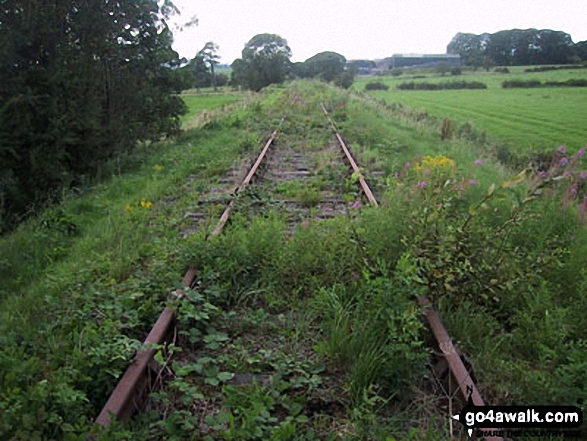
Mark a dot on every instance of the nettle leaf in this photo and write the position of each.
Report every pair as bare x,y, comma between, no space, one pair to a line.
225,376
159,358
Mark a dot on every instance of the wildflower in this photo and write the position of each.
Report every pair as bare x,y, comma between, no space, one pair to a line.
146,204
356,205
473,181
427,171
581,153
567,174
564,161
422,184
408,165
543,174
574,191
479,162
582,176
128,208
562,149
158,167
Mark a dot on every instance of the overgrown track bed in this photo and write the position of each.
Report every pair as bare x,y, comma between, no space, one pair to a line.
303,194
305,184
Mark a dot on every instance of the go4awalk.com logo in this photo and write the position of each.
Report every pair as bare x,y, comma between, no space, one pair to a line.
500,420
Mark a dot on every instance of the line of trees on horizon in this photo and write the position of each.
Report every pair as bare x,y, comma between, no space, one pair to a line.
517,47
266,60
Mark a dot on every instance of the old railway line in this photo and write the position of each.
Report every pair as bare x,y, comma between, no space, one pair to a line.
274,167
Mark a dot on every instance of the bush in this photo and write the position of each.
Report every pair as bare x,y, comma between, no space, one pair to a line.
396,72
535,83
521,84
451,85
501,70
456,71
376,85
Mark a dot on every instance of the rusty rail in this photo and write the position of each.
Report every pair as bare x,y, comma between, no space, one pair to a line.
456,366
243,185
125,399
364,186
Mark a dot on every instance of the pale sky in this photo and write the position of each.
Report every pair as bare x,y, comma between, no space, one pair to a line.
367,29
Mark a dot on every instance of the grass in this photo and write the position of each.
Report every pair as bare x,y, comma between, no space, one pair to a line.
202,103
540,119
324,323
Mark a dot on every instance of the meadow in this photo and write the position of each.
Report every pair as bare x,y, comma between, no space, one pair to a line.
526,119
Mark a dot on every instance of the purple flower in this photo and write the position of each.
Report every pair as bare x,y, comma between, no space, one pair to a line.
543,174
473,181
356,205
582,176
562,149
426,171
422,184
567,174
574,190
564,161
479,162
408,165
581,152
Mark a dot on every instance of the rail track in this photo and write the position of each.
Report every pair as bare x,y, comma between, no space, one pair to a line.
279,171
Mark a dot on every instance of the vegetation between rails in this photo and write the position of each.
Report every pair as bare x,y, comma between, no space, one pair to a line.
314,320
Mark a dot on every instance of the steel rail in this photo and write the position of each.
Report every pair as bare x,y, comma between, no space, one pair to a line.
364,186
458,370
243,185
125,399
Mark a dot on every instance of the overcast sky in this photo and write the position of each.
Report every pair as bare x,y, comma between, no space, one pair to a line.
368,29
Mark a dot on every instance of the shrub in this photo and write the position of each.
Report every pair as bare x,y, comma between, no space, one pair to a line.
396,72
376,85
521,84
535,83
501,70
456,71
451,85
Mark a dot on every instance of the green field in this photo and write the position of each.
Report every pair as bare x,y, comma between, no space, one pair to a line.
535,119
205,102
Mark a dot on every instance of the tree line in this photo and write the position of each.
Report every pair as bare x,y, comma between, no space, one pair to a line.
265,60
80,82
518,48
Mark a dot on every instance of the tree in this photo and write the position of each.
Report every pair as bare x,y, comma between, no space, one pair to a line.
201,76
325,65
209,57
265,61
79,82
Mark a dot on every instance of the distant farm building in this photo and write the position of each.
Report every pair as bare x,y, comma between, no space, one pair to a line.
420,60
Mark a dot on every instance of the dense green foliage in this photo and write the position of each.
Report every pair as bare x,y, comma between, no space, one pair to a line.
265,61
516,48
328,313
79,83
451,85
535,83
325,65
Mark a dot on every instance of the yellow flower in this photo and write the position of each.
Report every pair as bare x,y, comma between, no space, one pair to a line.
438,161
158,167
146,204
128,208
